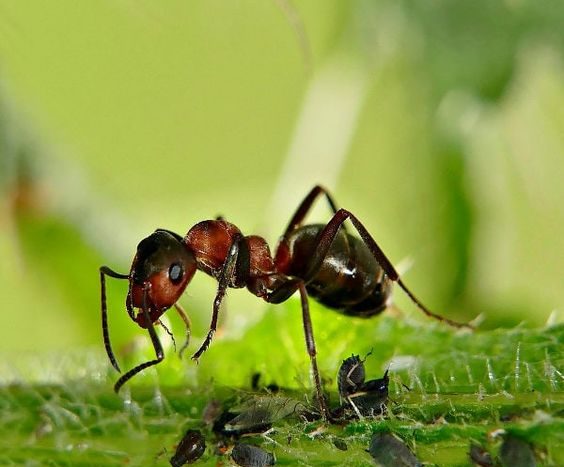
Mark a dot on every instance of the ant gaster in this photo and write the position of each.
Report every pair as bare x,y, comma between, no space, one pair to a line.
349,274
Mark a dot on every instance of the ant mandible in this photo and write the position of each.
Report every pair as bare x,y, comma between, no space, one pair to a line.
349,274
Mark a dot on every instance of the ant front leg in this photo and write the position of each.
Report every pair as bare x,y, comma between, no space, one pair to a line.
282,293
234,272
326,238
154,339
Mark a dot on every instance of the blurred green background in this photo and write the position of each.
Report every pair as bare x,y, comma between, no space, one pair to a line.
440,124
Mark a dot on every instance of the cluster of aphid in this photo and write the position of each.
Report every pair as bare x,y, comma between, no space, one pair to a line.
193,445
385,448
359,398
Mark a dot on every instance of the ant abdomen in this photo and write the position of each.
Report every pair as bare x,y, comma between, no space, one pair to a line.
348,281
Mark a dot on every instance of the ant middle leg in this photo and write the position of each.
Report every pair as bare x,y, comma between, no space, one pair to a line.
306,205
325,240
188,325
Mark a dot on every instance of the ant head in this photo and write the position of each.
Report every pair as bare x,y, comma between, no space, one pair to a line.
162,268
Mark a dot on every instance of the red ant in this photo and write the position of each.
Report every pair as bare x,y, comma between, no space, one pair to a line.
349,274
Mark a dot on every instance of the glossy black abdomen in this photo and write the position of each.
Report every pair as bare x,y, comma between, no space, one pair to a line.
349,280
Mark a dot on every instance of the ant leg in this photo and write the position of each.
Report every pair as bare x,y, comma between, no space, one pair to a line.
327,236
106,271
298,217
188,325
311,350
279,295
232,273
154,339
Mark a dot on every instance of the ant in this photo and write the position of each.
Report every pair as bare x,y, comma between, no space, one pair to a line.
349,274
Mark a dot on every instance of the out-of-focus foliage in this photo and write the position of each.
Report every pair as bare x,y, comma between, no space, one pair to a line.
439,124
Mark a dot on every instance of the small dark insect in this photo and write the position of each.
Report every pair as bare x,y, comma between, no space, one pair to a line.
365,398
351,375
388,451
516,452
480,456
256,415
349,274
190,449
247,455
228,423
372,396
340,444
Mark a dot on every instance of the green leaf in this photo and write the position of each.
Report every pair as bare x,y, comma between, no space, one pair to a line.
464,387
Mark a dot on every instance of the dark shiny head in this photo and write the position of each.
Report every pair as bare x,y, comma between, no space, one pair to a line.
163,266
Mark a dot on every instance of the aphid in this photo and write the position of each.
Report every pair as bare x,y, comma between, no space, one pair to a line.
247,455
236,424
190,449
365,398
255,415
340,444
516,452
351,375
372,396
389,451
349,274
480,456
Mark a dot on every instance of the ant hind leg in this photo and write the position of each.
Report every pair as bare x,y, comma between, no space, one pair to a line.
282,293
326,238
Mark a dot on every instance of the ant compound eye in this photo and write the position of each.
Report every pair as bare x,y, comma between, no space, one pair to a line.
175,272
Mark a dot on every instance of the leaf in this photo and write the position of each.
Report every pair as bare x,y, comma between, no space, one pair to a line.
464,387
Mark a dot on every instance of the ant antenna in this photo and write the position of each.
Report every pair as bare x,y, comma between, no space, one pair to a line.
106,271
